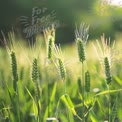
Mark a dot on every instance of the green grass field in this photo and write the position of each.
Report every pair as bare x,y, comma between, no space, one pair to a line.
35,87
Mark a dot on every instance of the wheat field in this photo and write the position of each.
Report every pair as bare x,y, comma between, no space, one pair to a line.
45,82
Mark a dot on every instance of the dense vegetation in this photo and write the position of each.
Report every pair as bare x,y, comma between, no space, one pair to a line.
41,83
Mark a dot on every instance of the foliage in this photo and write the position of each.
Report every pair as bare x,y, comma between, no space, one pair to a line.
40,95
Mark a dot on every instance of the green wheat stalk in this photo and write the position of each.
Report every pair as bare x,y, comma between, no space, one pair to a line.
50,47
81,51
34,70
49,35
108,81
59,62
105,51
81,40
14,70
87,81
61,68
10,45
107,71
35,79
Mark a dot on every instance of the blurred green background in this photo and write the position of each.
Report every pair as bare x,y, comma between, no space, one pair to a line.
102,17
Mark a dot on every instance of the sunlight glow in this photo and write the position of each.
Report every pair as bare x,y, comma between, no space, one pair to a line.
116,2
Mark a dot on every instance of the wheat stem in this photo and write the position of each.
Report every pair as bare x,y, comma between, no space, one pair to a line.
83,88
109,105
87,81
108,81
35,76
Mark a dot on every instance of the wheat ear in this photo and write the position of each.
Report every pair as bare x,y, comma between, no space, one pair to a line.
14,70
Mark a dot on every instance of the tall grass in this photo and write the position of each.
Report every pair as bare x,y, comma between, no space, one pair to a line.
76,92
81,40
